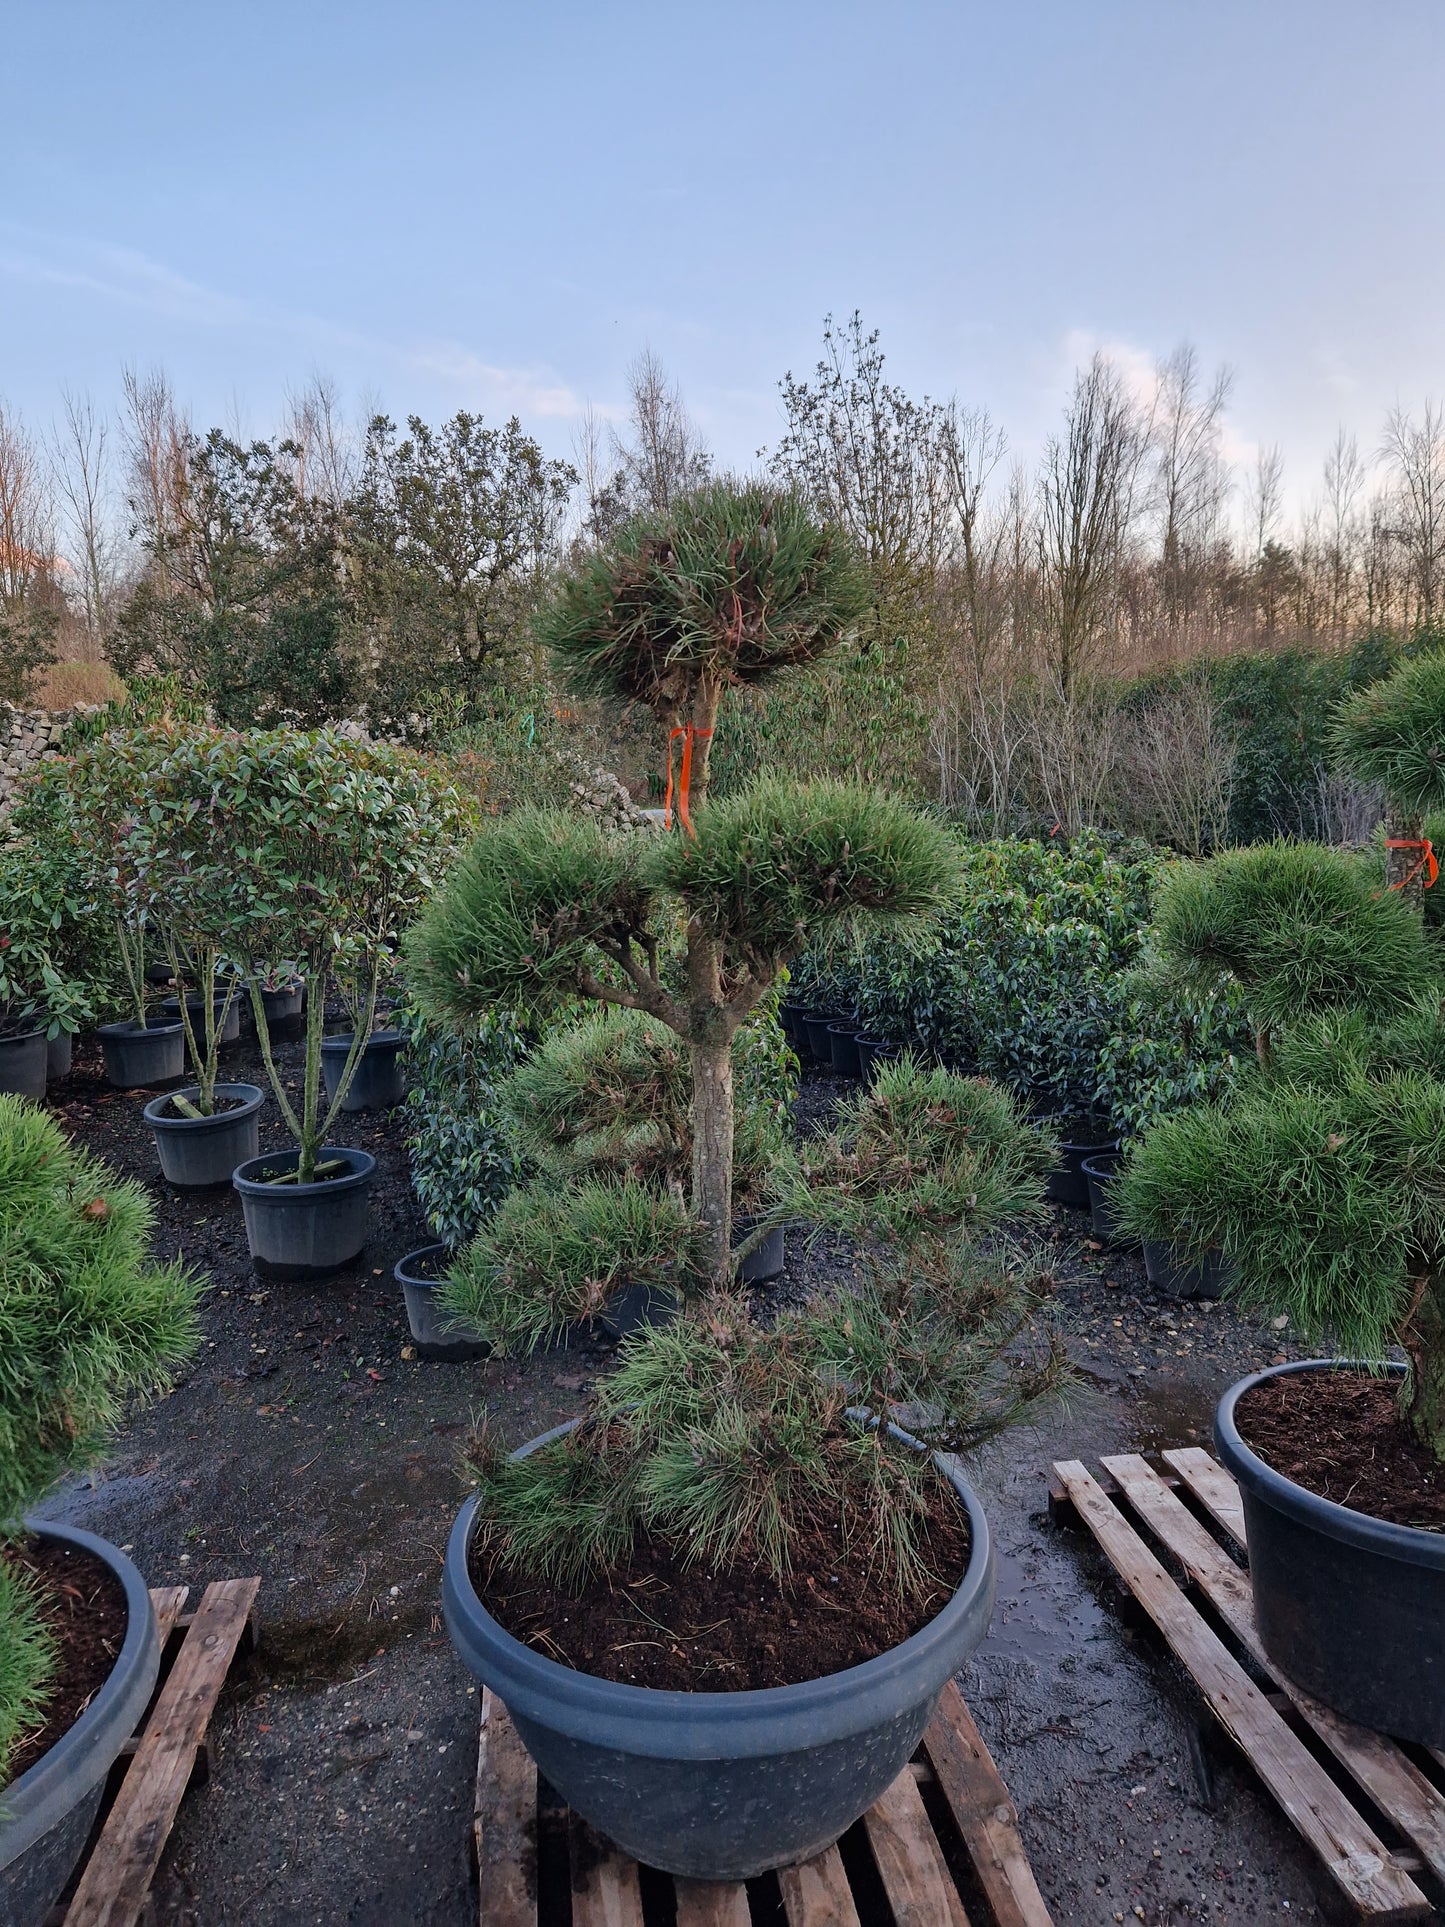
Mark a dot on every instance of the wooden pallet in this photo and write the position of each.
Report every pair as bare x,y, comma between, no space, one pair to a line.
168,1751
1315,1763
944,1830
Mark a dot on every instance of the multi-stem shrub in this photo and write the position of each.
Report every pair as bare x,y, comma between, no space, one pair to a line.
460,1140
86,1322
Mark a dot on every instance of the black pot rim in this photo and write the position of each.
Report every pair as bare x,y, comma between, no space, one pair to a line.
1103,1165
25,1036
128,1027
363,1165
845,1026
655,1722
340,1041
46,1790
1412,1544
404,1277
251,1095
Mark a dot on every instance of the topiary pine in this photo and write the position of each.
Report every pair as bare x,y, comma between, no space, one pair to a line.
736,584
1392,734
86,1321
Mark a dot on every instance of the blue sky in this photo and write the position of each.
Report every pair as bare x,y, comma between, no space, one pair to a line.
445,205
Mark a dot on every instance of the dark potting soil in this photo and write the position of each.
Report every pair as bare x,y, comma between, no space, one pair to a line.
83,1603
654,1621
1341,1436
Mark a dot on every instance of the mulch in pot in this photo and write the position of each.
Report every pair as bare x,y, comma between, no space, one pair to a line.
83,1603
654,1621
220,1108
1340,1435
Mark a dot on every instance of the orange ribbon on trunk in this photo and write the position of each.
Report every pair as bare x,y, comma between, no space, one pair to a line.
689,732
1426,861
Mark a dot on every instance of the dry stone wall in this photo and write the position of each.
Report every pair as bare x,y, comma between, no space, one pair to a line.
29,737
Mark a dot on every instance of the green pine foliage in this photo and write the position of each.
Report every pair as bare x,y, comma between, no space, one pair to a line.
734,584
780,860
550,1257
521,917
28,1655
86,1322
1299,927
1393,734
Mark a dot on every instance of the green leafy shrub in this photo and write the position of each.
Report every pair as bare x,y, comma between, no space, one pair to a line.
86,1322
461,1143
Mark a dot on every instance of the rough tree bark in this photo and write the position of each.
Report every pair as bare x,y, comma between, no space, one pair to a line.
1424,1341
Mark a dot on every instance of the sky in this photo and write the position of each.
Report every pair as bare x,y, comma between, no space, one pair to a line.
447,204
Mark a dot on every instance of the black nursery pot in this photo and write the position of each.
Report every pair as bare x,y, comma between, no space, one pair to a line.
196,1007
722,1786
59,1054
301,1231
1172,1278
764,1261
380,1080
138,1057
46,1815
23,1060
1100,1171
1349,1607
436,1334
790,1016
197,1151
818,1024
873,1051
1079,1138
843,1048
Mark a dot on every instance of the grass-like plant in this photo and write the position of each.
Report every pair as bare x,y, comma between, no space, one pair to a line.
86,1323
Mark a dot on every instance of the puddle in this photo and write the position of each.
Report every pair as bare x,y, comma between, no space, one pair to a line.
1163,1415
1044,1612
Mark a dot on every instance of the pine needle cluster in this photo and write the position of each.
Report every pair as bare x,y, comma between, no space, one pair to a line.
733,584
1392,734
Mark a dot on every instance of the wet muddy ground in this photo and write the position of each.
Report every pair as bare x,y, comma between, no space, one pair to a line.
305,1445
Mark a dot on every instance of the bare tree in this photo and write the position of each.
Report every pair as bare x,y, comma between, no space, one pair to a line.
1085,498
1264,497
326,458
158,444
82,463
30,597
1416,454
1344,481
663,454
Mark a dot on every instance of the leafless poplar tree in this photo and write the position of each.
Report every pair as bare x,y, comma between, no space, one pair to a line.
81,454
1416,454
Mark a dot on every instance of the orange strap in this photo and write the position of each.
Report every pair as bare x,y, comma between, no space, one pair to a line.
1426,861
688,732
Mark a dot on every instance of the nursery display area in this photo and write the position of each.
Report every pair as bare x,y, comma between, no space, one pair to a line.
650,1292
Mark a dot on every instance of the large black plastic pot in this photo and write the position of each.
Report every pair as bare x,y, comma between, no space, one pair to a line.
380,1081
790,1017
765,1260
1171,1279
1066,1183
1100,1172
196,1007
138,1057
817,1026
46,1815
436,1334
722,1786
283,1006
843,1048
196,1151
1349,1607
22,1063
300,1231
873,1051
59,1054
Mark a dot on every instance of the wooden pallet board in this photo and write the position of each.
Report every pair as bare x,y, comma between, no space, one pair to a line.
1376,1881
165,1753
909,1858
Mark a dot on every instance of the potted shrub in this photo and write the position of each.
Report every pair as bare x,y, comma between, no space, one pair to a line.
85,1323
730,1463
1317,1183
378,1080
104,777
330,845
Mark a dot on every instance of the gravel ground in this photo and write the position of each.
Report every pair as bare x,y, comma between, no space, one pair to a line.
307,1446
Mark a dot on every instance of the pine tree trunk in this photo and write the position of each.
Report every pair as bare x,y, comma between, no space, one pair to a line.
1399,863
1425,1390
712,1155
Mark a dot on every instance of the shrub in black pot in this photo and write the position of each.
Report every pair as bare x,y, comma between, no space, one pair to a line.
86,1322
1316,1184
378,1081
719,1447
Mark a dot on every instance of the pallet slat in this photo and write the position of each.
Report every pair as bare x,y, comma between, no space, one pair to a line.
117,1878
504,1822
986,1816
1353,1855
1392,1780
1211,1485
910,1861
168,1603
817,1893
712,1903
605,1889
